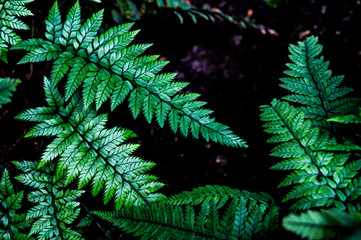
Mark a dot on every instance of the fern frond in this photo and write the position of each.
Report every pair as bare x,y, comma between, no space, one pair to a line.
10,10
89,152
319,178
56,208
312,85
217,213
106,66
7,86
12,223
324,224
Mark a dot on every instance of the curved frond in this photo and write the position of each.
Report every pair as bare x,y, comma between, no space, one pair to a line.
108,67
218,213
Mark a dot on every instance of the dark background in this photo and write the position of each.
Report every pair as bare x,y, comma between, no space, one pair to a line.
236,70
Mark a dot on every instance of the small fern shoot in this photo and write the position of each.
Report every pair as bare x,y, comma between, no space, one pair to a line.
7,86
217,213
106,67
89,152
10,10
56,208
313,86
12,223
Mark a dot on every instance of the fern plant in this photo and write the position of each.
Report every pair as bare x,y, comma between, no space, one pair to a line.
12,222
320,178
211,212
106,67
10,11
55,208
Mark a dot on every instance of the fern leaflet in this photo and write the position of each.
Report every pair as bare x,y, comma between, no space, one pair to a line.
89,152
106,66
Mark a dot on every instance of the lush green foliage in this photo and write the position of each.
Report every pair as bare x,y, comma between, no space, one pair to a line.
88,69
7,86
10,10
211,212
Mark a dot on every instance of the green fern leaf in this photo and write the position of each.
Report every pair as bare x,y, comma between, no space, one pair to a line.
7,86
222,213
108,67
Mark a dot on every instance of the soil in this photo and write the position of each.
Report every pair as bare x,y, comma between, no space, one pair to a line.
236,70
